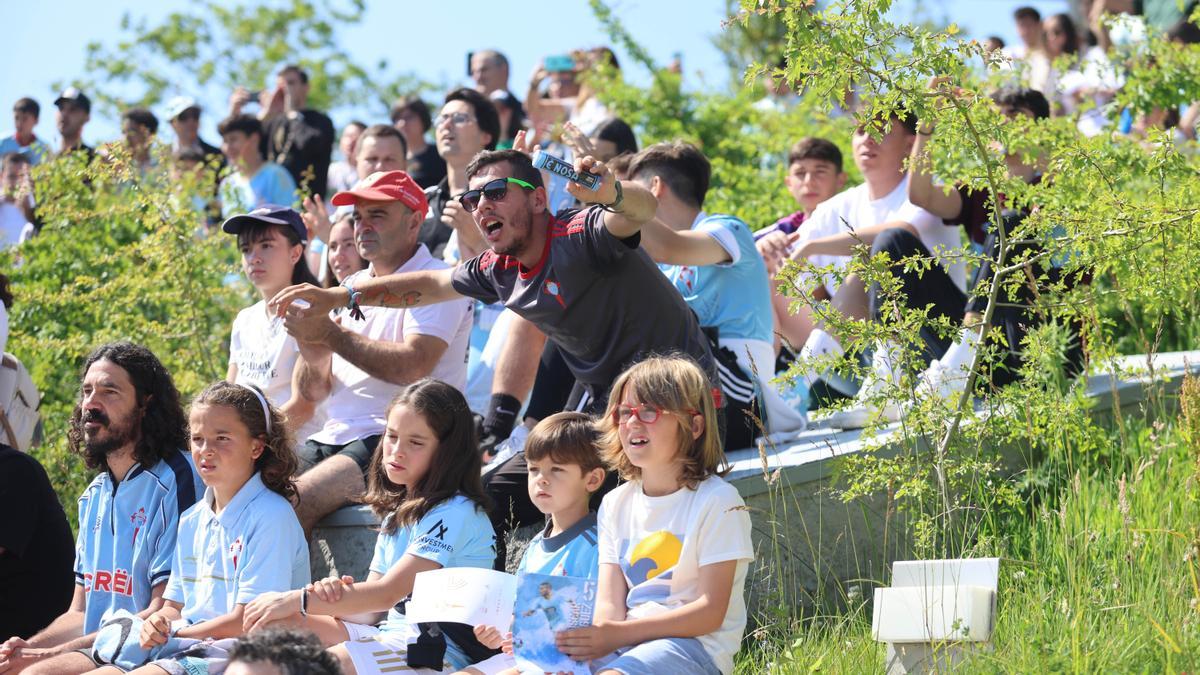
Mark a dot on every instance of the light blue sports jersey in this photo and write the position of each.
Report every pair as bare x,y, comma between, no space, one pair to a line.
571,553
126,539
271,185
553,609
455,533
254,546
733,297
37,151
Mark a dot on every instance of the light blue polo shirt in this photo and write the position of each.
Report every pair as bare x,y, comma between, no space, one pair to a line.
455,533
254,546
733,297
127,534
570,553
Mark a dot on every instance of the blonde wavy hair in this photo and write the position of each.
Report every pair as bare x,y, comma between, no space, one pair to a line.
677,386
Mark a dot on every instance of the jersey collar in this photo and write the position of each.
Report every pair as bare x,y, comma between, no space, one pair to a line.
235,507
563,538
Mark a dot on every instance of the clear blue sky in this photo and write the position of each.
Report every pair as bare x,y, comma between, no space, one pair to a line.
50,46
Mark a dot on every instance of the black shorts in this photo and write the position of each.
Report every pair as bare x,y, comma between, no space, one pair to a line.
313,453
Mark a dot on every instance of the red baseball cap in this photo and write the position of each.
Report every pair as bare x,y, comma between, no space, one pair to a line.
385,186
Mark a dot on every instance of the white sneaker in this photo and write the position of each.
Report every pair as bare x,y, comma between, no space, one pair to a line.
941,382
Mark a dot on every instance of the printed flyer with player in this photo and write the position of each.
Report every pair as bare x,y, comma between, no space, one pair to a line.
546,605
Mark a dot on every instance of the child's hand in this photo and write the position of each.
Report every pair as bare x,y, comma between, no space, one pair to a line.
268,608
155,630
506,644
489,636
590,642
330,589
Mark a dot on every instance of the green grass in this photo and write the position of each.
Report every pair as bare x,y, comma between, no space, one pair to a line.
1099,573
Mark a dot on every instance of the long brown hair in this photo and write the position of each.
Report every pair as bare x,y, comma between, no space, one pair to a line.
454,469
677,386
277,463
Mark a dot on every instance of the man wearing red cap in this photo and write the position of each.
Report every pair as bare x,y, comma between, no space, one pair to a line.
585,283
354,363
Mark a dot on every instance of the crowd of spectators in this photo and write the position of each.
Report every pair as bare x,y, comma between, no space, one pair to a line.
433,248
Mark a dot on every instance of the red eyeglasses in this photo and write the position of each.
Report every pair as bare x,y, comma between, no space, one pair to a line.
646,413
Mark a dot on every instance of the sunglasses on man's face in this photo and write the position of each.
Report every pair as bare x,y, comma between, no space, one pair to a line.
189,116
494,190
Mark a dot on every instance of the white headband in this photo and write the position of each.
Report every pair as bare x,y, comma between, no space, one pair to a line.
263,400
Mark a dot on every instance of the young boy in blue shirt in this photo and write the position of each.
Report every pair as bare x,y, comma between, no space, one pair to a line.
564,471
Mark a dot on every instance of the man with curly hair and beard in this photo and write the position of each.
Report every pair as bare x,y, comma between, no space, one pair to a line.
129,425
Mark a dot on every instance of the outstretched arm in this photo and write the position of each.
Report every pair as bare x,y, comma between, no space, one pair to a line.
636,207
687,247
406,289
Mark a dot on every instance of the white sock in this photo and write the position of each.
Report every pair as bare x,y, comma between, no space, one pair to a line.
819,343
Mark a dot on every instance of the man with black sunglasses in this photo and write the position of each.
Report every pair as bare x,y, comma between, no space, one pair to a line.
584,282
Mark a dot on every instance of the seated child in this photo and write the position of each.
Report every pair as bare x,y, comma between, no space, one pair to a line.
674,540
564,471
814,175
424,482
241,540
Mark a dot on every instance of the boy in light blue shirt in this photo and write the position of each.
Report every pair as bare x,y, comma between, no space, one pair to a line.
253,181
565,470
714,264
25,117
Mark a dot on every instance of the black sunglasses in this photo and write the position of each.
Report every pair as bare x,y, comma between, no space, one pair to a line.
494,190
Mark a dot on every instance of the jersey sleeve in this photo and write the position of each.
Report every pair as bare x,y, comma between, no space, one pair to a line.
267,556
603,247
379,561
725,232
439,535
474,278
174,589
163,534
81,538
724,529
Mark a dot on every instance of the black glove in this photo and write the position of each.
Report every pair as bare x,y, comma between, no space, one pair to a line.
499,422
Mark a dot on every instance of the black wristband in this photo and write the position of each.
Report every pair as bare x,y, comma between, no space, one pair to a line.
501,415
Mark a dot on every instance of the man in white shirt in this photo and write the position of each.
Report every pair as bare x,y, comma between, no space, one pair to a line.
353,365
879,215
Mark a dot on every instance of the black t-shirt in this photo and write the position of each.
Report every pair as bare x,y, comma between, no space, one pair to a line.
427,167
600,298
434,233
302,143
36,569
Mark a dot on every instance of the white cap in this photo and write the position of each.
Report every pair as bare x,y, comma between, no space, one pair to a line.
177,105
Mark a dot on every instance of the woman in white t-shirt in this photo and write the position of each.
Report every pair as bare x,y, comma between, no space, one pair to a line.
261,352
674,539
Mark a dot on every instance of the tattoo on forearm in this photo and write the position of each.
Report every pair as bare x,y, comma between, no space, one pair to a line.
388,298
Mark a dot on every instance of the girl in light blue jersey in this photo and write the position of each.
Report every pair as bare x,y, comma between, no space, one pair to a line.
240,541
424,483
